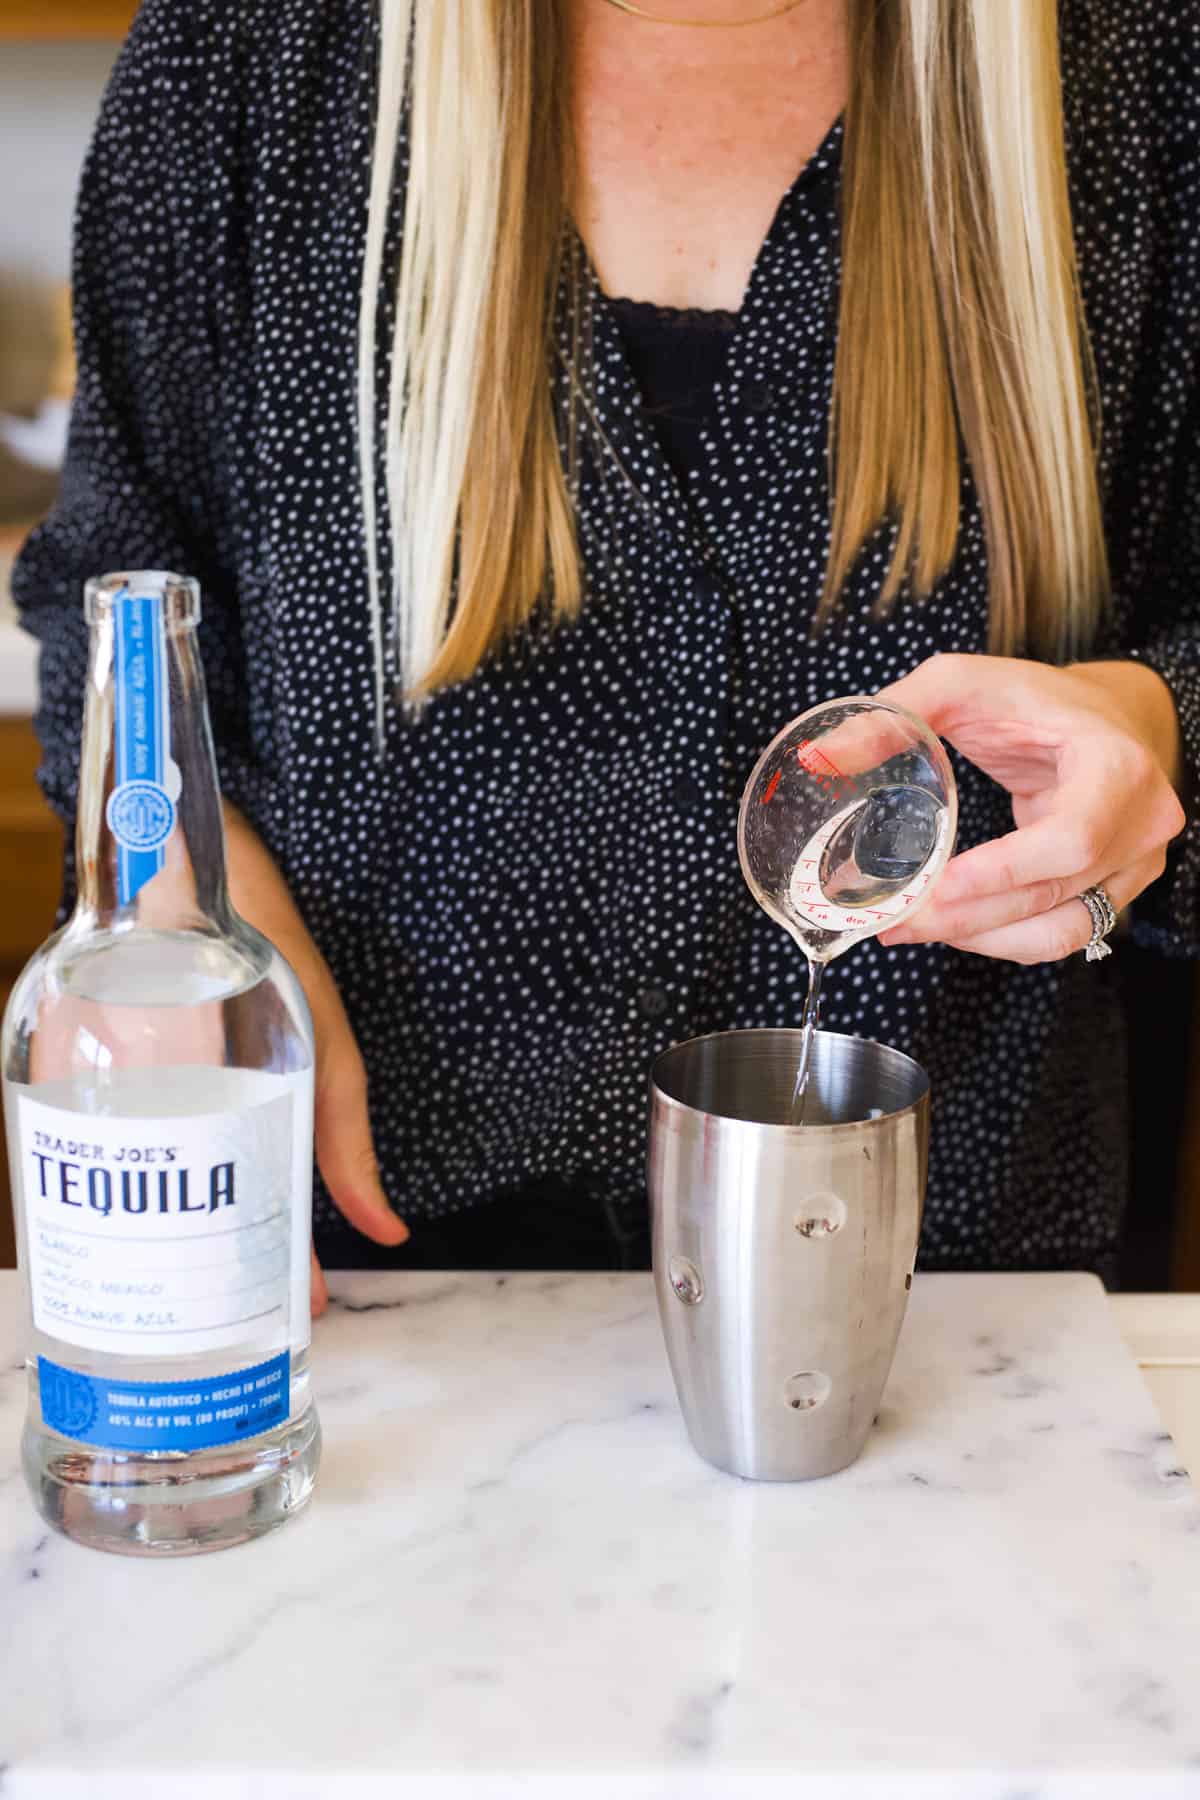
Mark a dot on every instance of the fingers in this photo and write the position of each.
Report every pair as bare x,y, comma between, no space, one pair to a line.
944,686
1091,828
949,922
1063,929
1064,845
966,903
345,1152
318,1291
1090,796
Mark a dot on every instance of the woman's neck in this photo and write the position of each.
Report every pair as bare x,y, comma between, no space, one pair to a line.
718,14
687,139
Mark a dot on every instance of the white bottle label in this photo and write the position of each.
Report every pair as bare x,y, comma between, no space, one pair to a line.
159,1236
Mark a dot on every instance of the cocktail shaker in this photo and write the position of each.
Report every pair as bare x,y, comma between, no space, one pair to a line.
783,1253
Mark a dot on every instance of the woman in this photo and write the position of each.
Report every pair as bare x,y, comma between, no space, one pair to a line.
555,401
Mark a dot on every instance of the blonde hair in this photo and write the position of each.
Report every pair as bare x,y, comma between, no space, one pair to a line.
961,321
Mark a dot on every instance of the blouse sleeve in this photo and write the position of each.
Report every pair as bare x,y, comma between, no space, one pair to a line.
1163,615
1167,916
143,481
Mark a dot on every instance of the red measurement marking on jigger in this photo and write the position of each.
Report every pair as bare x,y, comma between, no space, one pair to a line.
811,757
776,778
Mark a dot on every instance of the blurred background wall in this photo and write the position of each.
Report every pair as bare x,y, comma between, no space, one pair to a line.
49,93
54,61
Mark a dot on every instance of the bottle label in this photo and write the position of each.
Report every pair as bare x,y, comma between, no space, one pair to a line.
141,807
120,1414
159,1236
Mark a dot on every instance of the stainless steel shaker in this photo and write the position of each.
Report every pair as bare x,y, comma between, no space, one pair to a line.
783,1253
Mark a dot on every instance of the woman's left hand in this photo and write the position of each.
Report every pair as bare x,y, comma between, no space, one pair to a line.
1090,755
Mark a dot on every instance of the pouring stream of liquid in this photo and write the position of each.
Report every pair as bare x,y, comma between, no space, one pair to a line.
808,1028
875,857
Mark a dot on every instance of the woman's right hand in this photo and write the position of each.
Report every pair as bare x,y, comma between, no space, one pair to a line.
345,1153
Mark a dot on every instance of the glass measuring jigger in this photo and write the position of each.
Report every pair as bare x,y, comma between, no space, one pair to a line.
846,822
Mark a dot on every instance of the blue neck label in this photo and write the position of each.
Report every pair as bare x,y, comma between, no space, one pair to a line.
141,809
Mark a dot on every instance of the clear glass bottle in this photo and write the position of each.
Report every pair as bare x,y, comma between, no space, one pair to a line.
158,1078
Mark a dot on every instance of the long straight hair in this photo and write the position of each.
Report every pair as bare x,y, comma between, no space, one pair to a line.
961,326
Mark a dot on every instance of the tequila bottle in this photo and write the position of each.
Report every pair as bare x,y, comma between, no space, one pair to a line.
158,1073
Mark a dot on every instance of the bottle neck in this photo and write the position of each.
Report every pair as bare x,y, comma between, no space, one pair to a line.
150,842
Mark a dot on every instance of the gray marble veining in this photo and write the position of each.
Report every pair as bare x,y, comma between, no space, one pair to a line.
518,1578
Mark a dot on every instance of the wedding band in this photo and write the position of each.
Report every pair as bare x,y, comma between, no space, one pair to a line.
1103,915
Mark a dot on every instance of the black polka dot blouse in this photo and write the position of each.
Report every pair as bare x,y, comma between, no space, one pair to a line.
537,888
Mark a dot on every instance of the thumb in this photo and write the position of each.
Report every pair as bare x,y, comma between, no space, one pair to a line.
946,686
345,1153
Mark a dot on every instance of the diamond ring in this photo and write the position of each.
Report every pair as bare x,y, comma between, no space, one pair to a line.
1103,915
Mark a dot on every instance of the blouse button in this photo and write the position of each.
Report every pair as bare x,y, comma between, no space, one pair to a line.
705,586
653,1002
687,793
758,396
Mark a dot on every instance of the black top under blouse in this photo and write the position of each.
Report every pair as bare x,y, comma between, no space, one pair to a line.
676,355
536,889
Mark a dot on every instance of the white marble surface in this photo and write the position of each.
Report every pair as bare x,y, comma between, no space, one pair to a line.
518,1579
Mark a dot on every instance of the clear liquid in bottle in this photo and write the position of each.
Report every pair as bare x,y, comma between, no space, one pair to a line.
158,1069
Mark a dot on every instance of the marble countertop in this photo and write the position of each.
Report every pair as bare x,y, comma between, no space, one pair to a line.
518,1579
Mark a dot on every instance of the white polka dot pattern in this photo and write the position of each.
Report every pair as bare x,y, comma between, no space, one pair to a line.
538,889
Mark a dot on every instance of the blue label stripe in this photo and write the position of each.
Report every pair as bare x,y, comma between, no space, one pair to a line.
142,741
165,1415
